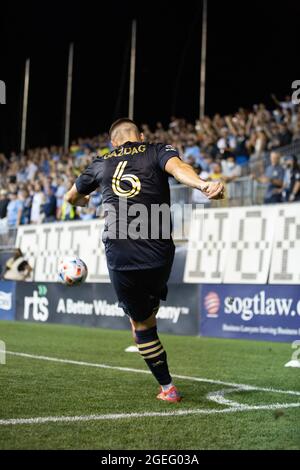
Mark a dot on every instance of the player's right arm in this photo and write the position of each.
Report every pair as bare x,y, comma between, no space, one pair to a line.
185,174
75,198
85,184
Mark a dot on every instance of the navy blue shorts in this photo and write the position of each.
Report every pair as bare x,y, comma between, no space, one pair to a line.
139,291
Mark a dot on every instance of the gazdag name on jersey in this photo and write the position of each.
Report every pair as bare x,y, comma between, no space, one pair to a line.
133,173
126,151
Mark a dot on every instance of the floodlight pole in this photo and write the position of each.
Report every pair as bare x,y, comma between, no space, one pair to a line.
25,106
68,98
132,70
203,61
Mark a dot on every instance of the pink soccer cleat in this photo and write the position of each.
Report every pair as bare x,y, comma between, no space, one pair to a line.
171,395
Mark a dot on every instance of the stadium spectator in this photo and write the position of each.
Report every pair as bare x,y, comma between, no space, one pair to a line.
59,194
192,152
286,104
244,138
273,177
37,201
17,267
230,169
14,210
26,199
48,209
68,212
230,172
31,169
291,181
4,200
3,163
216,174
207,162
284,135
223,143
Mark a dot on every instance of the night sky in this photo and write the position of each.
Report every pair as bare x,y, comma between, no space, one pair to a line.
252,51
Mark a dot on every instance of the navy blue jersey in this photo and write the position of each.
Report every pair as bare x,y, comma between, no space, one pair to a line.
136,198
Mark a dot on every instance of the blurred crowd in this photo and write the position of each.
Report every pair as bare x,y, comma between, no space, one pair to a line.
32,186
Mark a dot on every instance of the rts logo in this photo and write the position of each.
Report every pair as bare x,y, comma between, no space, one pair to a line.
212,304
36,307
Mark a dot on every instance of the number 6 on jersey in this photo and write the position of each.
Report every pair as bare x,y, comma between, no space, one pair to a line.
120,176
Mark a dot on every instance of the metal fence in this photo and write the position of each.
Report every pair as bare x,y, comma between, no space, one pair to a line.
291,149
257,165
241,192
7,237
244,191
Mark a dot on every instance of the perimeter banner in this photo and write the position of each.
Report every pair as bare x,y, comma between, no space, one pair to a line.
95,305
261,312
7,300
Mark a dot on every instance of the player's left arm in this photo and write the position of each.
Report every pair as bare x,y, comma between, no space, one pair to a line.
185,174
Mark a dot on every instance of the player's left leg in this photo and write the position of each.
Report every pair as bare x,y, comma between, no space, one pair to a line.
152,351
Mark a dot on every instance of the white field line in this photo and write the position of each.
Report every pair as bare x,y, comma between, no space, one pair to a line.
73,419
141,371
219,397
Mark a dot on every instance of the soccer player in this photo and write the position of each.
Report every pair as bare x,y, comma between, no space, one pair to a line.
139,250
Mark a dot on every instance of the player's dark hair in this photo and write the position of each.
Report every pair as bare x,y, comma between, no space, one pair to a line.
121,121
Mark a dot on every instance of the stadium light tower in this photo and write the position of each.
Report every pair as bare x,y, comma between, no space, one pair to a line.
203,61
69,98
132,70
25,106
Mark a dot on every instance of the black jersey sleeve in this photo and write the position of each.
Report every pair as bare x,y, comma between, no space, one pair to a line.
90,179
164,153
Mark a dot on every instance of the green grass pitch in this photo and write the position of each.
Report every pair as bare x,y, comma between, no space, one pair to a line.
35,388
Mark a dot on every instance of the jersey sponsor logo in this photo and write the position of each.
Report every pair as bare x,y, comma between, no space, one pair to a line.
119,176
124,151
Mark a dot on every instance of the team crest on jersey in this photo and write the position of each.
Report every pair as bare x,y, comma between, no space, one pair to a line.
170,147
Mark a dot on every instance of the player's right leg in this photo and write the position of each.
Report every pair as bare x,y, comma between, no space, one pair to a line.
139,294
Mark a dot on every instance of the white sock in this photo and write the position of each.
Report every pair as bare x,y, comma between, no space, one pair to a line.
166,387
